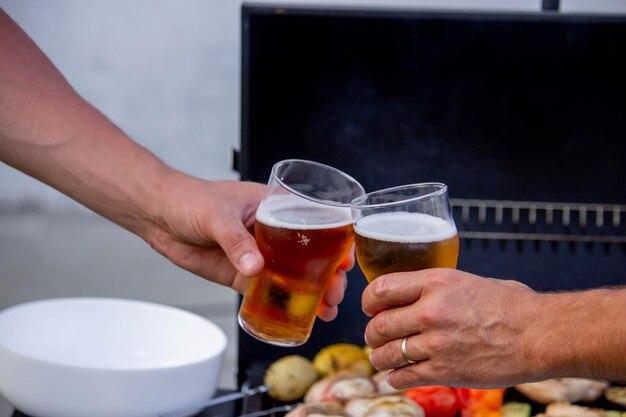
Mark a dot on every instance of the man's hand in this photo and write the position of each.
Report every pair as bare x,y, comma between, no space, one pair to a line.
463,330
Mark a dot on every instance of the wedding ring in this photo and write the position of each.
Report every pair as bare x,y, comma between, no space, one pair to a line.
405,354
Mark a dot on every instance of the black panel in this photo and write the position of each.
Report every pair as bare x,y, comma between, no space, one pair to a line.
498,106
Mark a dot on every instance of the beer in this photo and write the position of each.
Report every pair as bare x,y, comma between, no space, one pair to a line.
281,303
404,241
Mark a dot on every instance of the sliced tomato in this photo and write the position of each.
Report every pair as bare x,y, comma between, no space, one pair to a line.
437,401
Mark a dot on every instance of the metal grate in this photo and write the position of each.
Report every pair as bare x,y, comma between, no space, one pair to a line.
540,221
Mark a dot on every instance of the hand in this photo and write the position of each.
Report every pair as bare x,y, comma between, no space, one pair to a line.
204,227
336,289
464,330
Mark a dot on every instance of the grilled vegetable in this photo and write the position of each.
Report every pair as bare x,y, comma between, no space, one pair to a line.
437,401
563,389
317,410
382,386
480,402
616,395
515,409
384,406
342,357
290,377
340,387
565,409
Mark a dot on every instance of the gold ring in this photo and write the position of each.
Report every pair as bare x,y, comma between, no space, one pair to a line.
405,354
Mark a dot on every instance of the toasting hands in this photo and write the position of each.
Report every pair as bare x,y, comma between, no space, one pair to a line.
204,227
467,331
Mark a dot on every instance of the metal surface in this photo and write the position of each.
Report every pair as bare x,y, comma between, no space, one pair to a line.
549,221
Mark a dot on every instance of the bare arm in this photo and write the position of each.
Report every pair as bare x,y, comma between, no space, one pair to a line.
469,331
49,132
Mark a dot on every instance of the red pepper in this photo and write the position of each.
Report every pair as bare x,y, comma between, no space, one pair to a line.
437,401
480,402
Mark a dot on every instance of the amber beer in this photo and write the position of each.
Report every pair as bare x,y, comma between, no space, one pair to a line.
281,303
404,241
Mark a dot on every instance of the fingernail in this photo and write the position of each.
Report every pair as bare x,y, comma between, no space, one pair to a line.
365,338
370,359
388,377
248,262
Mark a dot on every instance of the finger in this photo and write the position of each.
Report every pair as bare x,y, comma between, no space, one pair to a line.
210,263
389,356
335,291
327,312
348,262
239,245
336,288
417,374
392,290
391,324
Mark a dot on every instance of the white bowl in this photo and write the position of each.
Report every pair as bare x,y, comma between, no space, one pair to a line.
92,357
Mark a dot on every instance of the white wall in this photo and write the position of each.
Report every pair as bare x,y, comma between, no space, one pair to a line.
167,72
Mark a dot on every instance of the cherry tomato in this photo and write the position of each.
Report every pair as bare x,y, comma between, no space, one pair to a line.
437,401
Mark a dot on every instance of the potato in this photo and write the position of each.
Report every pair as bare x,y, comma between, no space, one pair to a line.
289,378
342,357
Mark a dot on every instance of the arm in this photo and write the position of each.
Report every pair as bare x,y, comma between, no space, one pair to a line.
469,331
52,134
49,132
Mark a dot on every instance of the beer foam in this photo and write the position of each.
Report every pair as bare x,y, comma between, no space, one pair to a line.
291,212
406,227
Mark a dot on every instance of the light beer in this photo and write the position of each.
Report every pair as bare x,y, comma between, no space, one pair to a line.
404,241
281,303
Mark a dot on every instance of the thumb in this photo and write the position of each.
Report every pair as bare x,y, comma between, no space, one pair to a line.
240,247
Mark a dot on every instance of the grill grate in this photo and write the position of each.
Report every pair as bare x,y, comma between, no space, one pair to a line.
540,221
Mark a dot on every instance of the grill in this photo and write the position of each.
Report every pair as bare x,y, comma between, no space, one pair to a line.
521,114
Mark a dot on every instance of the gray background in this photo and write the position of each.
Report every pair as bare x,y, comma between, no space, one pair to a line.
167,72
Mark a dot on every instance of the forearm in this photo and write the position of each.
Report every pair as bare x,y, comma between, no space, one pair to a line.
50,133
581,334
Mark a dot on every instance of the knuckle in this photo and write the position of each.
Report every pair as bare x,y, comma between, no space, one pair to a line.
390,355
381,325
430,317
235,240
380,287
407,377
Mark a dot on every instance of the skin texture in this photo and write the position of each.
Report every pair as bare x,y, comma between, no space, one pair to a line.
50,133
469,331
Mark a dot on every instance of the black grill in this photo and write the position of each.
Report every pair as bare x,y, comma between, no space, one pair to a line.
523,115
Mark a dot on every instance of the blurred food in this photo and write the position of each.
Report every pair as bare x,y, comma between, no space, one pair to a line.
318,409
340,387
290,377
367,350
382,386
480,402
342,357
437,401
347,388
384,406
515,409
563,389
616,395
565,409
